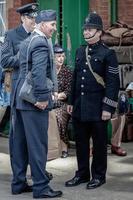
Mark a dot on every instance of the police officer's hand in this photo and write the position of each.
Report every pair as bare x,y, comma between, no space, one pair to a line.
41,105
69,109
106,115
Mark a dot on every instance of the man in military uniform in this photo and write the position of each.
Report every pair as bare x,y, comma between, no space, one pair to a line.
93,100
13,38
32,118
10,61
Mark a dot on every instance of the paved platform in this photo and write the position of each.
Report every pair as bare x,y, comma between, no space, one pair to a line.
119,184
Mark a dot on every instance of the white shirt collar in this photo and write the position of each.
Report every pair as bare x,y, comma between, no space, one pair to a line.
39,32
25,28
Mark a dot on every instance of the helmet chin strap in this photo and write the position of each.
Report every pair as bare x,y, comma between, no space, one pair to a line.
91,36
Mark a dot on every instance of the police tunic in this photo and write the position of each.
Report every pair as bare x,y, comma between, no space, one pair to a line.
88,97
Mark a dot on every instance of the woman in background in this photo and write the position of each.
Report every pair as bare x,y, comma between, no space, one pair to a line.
64,76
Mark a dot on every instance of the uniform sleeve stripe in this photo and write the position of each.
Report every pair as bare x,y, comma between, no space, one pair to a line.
113,70
110,102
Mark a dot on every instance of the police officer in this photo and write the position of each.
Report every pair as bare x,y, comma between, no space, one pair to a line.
32,119
93,100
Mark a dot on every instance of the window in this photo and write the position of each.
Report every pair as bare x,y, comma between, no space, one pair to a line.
2,17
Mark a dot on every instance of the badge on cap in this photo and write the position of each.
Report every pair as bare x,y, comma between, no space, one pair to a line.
34,14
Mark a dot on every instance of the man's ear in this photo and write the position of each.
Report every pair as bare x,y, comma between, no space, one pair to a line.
43,24
23,18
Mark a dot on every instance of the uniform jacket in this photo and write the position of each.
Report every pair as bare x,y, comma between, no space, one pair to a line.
40,66
88,97
10,55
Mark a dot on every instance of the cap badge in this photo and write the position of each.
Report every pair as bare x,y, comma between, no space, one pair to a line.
34,14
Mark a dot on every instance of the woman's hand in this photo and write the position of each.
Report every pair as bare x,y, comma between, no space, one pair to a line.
62,96
69,109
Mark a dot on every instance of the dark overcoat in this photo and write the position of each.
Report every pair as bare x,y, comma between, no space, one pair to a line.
10,53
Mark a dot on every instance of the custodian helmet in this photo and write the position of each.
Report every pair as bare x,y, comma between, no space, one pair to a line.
93,20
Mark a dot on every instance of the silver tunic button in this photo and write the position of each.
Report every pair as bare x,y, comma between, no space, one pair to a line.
83,78
86,63
95,59
84,70
82,93
82,85
90,49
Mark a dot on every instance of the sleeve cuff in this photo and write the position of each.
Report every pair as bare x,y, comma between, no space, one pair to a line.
110,102
42,97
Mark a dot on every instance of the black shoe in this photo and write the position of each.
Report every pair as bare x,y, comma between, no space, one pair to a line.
49,194
27,188
49,175
94,183
64,154
76,181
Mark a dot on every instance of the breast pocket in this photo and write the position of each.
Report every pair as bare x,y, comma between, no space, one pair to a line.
97,59
97,64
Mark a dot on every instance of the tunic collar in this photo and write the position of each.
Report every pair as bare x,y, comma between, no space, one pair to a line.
95,45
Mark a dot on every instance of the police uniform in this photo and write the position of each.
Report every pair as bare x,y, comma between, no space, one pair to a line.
89,98
87,92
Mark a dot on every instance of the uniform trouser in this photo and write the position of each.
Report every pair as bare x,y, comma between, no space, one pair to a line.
18,151
98,132
29,145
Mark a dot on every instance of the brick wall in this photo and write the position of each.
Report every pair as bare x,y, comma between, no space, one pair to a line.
102,7
125,11
13,16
